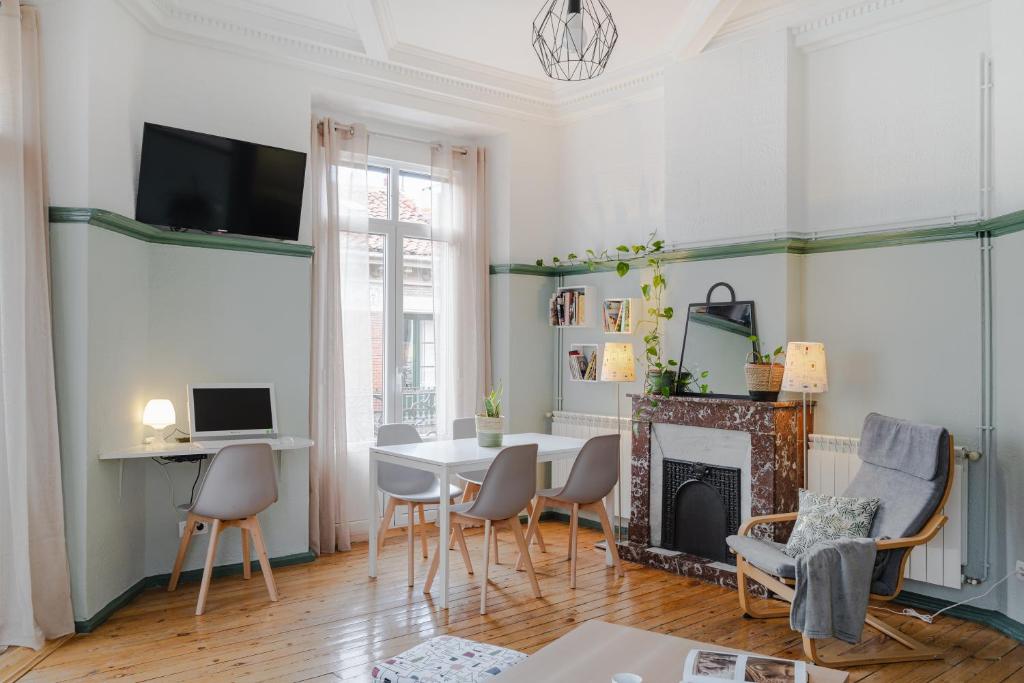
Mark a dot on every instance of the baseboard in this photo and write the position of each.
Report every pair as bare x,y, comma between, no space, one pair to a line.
90,624
584,521
986,617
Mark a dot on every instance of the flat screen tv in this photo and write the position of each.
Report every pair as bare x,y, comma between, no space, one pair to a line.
195,181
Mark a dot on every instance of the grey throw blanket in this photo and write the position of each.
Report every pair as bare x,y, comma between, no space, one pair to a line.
833,583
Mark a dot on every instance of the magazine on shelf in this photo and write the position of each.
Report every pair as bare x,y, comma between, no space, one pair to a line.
709,666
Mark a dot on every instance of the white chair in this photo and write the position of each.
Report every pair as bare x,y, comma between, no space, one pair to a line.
240,483
509,485
407,486
465,428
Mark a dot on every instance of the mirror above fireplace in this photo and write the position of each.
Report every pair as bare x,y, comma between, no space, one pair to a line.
716,341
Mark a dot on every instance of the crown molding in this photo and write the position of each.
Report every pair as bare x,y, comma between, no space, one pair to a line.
337,51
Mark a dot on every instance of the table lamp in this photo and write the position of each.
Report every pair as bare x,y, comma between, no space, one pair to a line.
805,372
158,414
618,365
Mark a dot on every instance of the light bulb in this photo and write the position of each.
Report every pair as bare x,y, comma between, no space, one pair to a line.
577,34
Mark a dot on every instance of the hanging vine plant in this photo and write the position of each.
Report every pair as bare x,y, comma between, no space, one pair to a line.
659,378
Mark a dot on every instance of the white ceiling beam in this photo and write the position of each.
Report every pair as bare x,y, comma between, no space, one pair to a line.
702,19
375,27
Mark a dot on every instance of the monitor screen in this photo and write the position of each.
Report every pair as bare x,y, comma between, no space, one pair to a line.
232,410
205,182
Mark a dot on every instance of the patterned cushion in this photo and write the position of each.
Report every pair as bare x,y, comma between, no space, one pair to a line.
446,659
826,518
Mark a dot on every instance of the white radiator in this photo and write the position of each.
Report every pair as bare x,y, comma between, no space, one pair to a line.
582,426
832,462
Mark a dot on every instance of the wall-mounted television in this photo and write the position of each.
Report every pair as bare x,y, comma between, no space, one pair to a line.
196,181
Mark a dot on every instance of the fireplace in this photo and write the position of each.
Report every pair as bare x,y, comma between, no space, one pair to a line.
701,506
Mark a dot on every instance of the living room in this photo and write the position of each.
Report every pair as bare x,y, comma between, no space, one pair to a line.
741,248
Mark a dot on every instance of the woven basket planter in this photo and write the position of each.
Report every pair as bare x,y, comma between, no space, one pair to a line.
764,381
489,431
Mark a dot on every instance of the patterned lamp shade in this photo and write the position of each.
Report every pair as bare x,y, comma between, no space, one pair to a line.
618,364
805,368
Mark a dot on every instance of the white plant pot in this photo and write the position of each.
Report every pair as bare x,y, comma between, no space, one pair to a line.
489,431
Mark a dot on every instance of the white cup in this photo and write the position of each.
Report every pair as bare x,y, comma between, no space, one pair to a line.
627,678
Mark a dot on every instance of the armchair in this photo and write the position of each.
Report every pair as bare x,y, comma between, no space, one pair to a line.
913,482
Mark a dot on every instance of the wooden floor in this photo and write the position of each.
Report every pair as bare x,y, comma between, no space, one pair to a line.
332,621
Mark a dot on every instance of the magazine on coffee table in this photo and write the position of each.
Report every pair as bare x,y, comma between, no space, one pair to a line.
708,666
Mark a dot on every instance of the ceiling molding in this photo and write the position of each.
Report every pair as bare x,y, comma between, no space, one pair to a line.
375,27
340,52
702,20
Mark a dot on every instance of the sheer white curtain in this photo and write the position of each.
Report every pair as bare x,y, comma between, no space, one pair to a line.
341,390
461,282
35,591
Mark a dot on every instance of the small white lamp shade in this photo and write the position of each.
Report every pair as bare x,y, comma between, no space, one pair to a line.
159,414
806,371
618,364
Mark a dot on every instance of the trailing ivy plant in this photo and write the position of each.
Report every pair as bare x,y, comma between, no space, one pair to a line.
623,257
763,358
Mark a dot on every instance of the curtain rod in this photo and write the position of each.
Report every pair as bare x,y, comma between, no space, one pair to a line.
431,143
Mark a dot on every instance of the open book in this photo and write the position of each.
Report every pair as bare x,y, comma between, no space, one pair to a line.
706,666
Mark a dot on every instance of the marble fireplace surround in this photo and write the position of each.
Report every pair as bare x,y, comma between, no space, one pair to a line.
772,461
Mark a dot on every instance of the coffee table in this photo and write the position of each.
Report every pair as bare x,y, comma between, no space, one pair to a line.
595,651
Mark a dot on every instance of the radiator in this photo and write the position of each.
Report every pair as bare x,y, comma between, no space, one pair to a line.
582,426
832,462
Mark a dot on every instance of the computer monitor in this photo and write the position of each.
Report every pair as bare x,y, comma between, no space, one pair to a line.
232,410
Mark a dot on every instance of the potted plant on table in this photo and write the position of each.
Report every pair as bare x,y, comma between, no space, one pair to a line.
490,424
764,372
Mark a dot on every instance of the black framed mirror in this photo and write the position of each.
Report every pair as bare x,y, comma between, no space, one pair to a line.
716,344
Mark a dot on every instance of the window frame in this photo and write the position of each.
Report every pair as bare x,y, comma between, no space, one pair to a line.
394,232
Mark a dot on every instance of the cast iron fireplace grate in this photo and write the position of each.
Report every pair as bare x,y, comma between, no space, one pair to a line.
700,507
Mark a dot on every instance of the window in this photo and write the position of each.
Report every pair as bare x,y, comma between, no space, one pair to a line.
402,296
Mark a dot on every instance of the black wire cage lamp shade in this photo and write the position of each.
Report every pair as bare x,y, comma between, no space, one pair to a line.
574,38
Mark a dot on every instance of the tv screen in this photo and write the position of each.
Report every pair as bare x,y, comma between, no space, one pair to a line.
205,182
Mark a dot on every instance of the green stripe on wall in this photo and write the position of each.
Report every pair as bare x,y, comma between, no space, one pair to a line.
90,624
147,233
997,227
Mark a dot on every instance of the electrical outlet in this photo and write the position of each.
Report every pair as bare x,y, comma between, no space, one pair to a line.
1020,570
201,528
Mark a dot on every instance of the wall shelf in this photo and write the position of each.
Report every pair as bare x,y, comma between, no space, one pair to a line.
573,307
619,315
584,362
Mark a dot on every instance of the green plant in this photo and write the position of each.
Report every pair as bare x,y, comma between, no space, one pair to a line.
759,358
622,258
692,382
492,402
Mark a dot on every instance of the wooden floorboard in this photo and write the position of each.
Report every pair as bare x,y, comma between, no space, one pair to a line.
333,622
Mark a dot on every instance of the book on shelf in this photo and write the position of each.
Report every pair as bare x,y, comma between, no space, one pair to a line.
707,666
582,367
568,308
616,315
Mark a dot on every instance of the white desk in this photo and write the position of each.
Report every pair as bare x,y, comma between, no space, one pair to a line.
446,459
169,449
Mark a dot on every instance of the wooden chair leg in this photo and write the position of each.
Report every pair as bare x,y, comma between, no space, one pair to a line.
186,537
530,507
469,493
461,540
246,554
609,536
533,528
487,561
574,524
524,550
261,553
423,530
916,651
411,545
434,563
211,554
747,601
389,510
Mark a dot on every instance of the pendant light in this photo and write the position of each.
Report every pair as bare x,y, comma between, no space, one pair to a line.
574,38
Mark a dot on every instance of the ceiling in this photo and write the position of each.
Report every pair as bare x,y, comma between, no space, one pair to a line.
479,52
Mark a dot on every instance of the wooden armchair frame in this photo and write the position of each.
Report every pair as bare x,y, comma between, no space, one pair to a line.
783,588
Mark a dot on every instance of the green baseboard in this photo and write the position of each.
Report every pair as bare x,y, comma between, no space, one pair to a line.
584,522
987,617
90,624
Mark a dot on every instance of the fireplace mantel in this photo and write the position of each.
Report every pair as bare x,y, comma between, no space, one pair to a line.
776,432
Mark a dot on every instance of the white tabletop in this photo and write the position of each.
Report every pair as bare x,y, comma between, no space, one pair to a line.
173,449
466,453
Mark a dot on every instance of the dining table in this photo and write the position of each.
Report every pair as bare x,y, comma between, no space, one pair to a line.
446,459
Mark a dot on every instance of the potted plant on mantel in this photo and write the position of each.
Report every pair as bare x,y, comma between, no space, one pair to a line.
660,378
764,372
490,424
